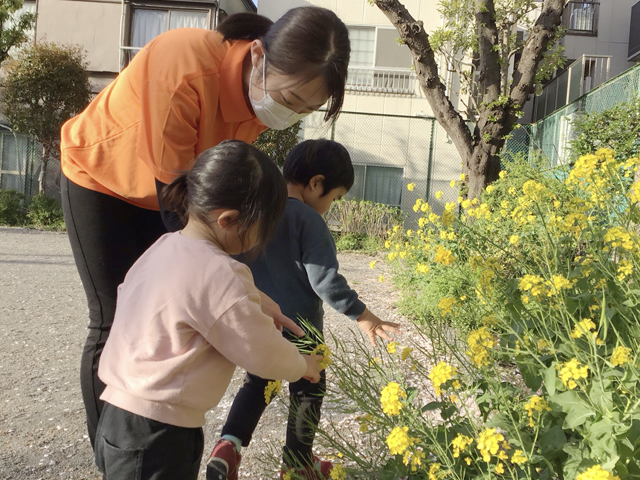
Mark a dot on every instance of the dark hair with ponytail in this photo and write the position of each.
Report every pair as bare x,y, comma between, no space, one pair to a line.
306,41
236,176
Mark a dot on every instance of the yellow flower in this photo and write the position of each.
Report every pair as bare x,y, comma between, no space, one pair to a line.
323,350
411,186
480,341
441,374
399,440
596,473
391,347
466,203
439,194
286,476
460,444
533,189
467,460
381,278
499,468
619,237
557,283
625,268
518,458
502,174
537,404
490,188
514,239
392,256
446,304
583,327
391,398
444,256
372,264
433,218
387,244
271,390
572,371
620,356
452,183
489,443
406,353
432,471
512,190
462,177
337,472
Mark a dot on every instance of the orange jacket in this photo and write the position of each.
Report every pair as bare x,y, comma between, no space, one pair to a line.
180,95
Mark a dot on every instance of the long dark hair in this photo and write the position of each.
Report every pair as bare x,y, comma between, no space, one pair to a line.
319,157
232,175
306,41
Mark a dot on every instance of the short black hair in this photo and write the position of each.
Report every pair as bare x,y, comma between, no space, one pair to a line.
319,157
232,175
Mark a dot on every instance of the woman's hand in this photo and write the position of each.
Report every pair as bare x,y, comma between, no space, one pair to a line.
271,308
372,326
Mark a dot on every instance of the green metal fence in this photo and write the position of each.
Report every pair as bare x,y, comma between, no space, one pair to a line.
20,159
552,135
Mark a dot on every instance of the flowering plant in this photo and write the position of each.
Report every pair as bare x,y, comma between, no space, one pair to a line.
543,381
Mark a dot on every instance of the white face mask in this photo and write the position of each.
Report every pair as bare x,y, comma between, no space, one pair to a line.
270,112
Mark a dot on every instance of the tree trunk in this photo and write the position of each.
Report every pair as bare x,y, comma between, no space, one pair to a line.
497,115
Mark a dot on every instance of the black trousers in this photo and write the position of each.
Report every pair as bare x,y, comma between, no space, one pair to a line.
107,236
131,447
305,402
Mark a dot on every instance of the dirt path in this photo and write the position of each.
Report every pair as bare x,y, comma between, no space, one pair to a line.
42,330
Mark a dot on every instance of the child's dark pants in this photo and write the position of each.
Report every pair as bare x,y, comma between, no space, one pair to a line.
131,447
304,415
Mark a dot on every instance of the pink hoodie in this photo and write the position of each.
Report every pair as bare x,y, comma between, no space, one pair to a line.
187,314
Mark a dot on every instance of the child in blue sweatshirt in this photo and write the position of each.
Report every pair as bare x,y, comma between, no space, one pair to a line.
299,270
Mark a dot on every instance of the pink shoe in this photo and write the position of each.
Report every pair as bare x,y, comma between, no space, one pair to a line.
223,462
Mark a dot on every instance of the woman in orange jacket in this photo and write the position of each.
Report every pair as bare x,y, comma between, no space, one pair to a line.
184,92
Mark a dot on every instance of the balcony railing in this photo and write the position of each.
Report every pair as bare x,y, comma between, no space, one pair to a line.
581,17
583,75
378,80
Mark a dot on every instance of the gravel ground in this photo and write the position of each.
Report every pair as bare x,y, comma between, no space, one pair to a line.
42,323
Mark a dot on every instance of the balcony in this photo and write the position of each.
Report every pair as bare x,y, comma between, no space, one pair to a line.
583,75
377,80
581,18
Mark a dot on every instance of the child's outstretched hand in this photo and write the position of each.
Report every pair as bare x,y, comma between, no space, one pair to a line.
313,368
372,326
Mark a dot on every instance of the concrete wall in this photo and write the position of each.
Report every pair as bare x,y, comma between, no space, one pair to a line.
94,25
612,39
360,12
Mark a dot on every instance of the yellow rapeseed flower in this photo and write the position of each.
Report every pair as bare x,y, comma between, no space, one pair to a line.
432,471
441,374
391,398
489,443
411,186
271,390
462,177
480,341
372,264
438,194
620,356
323,350
399,440
518,458
446,304
490,188
502,174
499,468
536,404
514,239
596,473
381,278
452,183
583,327
337,472
572,371
406,353
444,256
460,444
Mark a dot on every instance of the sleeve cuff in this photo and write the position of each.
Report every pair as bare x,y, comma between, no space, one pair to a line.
355,310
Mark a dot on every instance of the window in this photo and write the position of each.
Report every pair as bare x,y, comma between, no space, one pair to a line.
581,17
150,21
377,184
378,63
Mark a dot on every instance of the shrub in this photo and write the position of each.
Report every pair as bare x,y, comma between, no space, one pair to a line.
46,213
12,210
547,385
357,241
362,217
617,127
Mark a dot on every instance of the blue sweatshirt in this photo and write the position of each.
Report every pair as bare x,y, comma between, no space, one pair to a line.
299,268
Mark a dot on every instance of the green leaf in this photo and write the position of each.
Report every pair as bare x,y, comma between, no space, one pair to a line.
412,393
531,376
550,379
432,406
577,409
552,441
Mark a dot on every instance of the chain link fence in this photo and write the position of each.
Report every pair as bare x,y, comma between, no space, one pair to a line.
21,165
553,134
390,152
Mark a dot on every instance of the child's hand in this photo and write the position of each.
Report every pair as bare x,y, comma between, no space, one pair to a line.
313,368
271,308
372,326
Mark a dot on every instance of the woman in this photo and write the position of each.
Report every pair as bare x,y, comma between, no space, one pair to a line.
184,92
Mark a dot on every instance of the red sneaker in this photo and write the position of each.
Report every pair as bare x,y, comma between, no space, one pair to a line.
223,462
319,470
